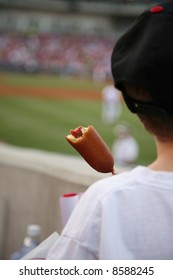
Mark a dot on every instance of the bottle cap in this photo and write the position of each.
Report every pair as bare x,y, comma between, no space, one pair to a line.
33,230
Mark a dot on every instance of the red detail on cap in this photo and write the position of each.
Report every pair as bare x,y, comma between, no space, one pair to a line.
156,9
69,194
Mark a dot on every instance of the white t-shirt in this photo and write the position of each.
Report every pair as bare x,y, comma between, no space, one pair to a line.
125,216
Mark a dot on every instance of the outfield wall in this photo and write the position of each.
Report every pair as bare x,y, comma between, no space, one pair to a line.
31,183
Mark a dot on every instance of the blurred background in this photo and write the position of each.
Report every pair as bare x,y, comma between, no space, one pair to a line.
54,64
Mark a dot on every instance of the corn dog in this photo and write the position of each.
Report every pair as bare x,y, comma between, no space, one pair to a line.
92,148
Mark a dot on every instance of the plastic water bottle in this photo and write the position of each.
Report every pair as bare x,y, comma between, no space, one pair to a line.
31,240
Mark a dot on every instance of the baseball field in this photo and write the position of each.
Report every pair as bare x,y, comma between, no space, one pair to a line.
37,111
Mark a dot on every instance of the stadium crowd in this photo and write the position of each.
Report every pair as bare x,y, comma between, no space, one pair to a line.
62,54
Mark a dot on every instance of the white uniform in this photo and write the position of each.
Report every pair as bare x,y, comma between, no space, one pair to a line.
125,150
125,216
112,108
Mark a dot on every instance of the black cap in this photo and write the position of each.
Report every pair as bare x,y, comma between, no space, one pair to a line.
143,56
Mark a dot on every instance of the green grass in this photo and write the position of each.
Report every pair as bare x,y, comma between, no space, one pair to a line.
43,123
49,81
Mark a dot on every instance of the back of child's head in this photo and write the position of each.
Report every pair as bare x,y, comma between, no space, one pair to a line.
142,62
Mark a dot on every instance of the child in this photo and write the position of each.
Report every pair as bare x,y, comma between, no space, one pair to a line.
130,215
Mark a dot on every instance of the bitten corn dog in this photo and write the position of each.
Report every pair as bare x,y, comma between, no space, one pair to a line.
92,148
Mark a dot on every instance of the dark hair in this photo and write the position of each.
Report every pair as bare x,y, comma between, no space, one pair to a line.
160,127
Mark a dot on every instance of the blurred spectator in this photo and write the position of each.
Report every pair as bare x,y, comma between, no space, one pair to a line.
111,104
125,148
65,54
